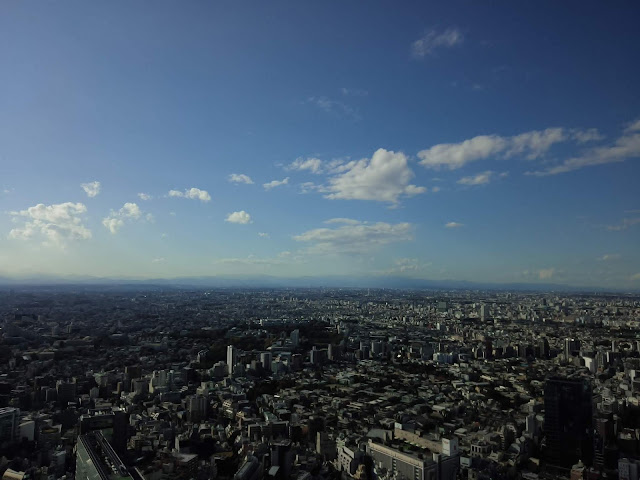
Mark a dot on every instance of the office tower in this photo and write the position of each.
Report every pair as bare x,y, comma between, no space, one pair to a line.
567,422
484,312
66,392
295,338
232,358
197,407
265,360
571,347
9,419
96,459
543,346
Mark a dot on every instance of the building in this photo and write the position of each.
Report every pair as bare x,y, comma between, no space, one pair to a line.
9,420
197,407
265,360
96,459
567,422
404,465
295,338
66,392
113,423
232,359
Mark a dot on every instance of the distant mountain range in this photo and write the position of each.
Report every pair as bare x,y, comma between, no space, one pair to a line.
266,281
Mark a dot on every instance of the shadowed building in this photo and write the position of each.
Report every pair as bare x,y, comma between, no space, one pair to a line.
567,422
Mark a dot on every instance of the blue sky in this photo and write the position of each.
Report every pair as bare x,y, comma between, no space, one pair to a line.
457,140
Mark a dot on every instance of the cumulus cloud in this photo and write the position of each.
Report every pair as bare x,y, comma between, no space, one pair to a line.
158,260
313,165
275,183
609,257
263,234
478,179
433,40
56,223
625,147
354,237
117,218
453,225
92,189
407,266
240,178
241,217
191,193
144,196
452,156
334,107
384,178
546,273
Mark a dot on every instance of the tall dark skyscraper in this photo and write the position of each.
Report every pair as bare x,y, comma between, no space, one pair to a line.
567,422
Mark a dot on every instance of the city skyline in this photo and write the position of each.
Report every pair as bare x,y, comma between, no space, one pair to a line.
489,144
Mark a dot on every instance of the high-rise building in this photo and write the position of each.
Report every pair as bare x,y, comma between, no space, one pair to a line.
197,407
265,360
567,422
571,347
295,337
9,420
66,392
232,358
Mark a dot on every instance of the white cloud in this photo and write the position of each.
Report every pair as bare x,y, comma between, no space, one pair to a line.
609,257
158,260
478,179
625,224
240,178
116,219
92,189
546,273
385,178
314,165
433,40
263,235
144,196
345,221
334,107
453,225
625,147
354,238
407,266
191,193
275,183
531,145
57,223
585,136
308,187
635,276
241,217
435,189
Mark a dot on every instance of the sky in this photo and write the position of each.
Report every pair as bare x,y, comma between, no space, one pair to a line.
477,141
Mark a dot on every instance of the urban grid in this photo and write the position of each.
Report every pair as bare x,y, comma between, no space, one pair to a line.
317,384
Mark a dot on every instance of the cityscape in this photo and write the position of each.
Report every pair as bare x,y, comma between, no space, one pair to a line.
314,384
319,240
